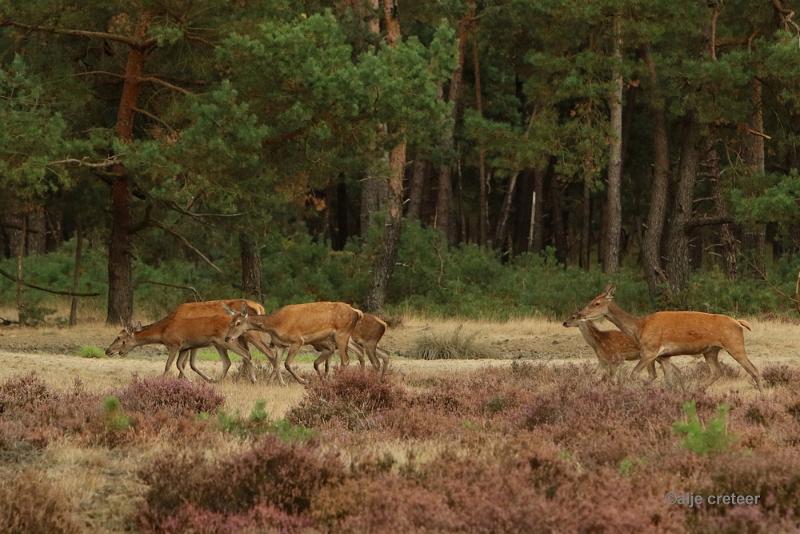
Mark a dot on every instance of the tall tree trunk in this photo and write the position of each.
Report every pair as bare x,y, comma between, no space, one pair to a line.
678,267
614,203
505,210
586,226
483,195
417,187
444,198
251,267
755,234
120,254
651,248
729,246
373,189
76,276
559,228
384,265
342,219
22,316
536,237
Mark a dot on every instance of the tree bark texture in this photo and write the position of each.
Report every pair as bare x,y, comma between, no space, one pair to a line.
416,188
76,276
251,267
727,237
483,194
613,201
755,234
505,210
651,248
586,226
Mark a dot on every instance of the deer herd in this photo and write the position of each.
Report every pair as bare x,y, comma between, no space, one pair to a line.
237,324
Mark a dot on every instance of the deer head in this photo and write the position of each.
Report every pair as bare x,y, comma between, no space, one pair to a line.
239,323
125,341
598,306
574,320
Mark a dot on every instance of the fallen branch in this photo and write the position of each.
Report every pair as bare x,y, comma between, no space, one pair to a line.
46,290
187,243
197,296
7,322
106,163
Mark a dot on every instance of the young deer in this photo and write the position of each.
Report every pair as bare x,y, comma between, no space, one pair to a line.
302,324
611,347
181,334
672,333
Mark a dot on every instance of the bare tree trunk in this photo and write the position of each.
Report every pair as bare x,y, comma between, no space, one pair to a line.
559,228
586,226
251,267
678,267
120,257
384,265
444,199
536,236
755,234
23,238
37,231
614,203
505,210
651,248
342,211
76,276
373,189
416,188
483,198
729,246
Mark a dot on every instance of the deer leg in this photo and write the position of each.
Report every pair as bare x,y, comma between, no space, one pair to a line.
739,354
193,365
325,349
173,352
647,358
371,348
272,355
181,363
342,340
385,360
355,347
293,349
226,362
671,372
246,358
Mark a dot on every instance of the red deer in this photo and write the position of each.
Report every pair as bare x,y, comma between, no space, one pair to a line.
301,324
186,331
672,333
367,334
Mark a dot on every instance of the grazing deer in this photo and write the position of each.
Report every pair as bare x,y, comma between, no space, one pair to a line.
672,333
367,334
181,334
321,323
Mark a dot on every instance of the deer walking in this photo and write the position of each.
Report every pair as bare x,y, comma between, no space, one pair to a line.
672,333
326,324
367,334
185,332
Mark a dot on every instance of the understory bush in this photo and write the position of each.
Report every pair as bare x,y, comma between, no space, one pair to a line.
454,344
174,395
30,503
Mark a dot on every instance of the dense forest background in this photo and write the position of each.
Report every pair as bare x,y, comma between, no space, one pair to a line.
477,158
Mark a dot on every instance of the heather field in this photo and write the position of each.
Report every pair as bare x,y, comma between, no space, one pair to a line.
526,439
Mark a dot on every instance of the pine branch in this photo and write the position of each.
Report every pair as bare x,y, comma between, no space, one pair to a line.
46,290
186,243
130,41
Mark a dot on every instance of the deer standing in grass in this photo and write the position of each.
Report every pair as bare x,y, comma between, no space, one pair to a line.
612,347
189,328
367,334
302,324
672,333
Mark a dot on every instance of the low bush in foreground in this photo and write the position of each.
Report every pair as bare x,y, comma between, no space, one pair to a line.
30,503
174,395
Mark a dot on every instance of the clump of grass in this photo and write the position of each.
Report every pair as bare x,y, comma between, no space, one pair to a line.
708,439
91,351
115,416
780,375
453,345
258,423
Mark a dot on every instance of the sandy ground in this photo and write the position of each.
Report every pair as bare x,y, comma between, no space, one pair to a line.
52,352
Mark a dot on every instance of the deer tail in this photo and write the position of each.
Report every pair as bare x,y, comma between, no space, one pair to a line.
745,324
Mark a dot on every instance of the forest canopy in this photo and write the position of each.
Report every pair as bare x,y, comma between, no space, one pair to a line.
453,157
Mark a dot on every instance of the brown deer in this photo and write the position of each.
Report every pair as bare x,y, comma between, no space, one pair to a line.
182,333
611,347
672,333
189,310
322,323
367,334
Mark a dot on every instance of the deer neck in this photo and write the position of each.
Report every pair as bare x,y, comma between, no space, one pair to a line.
263,323
148,335
629,324
589,333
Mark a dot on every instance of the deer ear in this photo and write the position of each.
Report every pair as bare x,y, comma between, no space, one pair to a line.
138,327
228,310
244,309
610,290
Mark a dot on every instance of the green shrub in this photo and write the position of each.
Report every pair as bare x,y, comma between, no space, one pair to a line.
708,439
91,351
116,419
